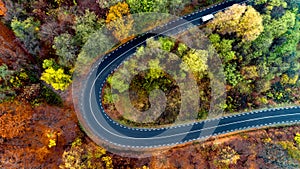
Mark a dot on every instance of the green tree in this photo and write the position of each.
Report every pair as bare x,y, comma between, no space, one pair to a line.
138,6
86,25
155,71
163,6
166,44
224,47
5,74
196,61
117,82
66,49
233,77
27,32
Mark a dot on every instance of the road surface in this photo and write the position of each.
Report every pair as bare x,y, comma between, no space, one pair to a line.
98,125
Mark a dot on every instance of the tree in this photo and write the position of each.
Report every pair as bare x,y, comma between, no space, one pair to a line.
5,73
107,3
65,48
27,32
138,6
161,6
3,9
250,26
117,23
224,47
14,119
196,60
249,72
233,77
297,138
82,155
280,26
166,44
86,25
56,77
243,20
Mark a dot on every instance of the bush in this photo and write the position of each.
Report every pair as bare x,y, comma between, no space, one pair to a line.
50,97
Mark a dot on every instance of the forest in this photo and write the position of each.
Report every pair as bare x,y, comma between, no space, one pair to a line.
41,41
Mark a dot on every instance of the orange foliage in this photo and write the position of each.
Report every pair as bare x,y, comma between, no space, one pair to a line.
118,23
26,131
3,10
14,119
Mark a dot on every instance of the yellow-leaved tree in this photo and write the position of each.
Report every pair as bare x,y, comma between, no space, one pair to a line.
243,20
119,21
55,76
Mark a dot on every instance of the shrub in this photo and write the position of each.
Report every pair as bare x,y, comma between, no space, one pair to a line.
293,151
50,97
14,119
83,155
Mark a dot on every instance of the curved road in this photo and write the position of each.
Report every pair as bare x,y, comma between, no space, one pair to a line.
98,125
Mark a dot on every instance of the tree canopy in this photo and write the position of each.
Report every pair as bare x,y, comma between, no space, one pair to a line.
242,20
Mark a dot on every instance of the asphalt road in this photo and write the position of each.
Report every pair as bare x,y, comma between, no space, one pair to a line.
98,125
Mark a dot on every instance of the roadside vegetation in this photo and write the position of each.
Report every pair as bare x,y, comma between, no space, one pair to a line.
258,45
40,42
